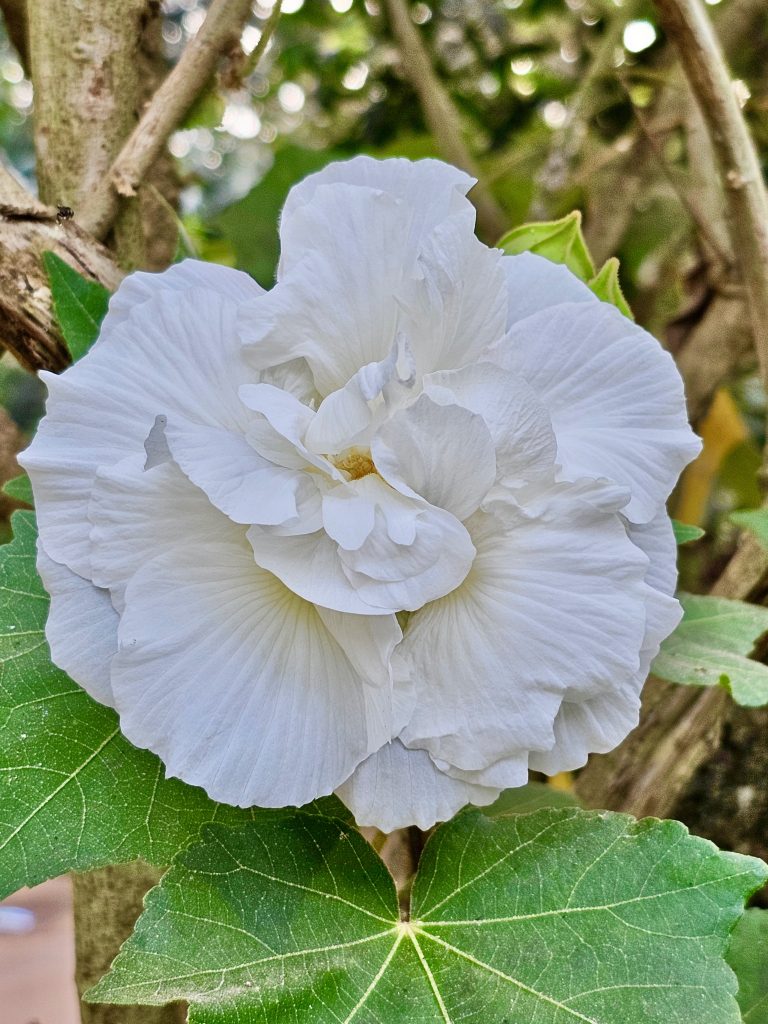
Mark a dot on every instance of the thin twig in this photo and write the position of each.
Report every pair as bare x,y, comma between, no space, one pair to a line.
678,182
442,117
688,27
222,26
267,32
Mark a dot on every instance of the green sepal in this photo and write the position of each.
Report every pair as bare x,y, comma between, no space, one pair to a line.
606,286
561,241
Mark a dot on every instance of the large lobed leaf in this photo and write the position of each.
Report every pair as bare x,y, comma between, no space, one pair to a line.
711,647
553,917
74,794
748,956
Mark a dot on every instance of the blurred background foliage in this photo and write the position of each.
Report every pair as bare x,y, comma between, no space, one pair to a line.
564,105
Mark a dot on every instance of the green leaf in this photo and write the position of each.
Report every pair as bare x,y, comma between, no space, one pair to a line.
606,286
558,240
19,488
74,794
685,533
748,957
711,646
250,224
755,520
525,799
558,916
79,304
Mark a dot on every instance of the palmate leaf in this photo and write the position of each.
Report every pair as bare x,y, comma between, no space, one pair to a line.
525,799
711,647
748,956
555,917
74,794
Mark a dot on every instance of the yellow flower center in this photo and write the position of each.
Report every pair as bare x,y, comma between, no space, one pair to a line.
355,462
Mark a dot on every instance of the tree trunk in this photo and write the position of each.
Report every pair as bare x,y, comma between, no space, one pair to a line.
88,70
92,62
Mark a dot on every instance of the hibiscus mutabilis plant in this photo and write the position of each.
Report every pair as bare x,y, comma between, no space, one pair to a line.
393,530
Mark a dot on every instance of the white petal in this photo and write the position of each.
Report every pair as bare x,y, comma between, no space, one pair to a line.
458,303
599,724
592,726
309,565
388,573
657,540
431,189
518,423
535,283
614,395
188,275
553,607
443,453
369,643
348,516
397,787
336,307
237,684
413,553
663,613
81,629
295,377
346,417
173,355
280,436
237,479
508,773
140,514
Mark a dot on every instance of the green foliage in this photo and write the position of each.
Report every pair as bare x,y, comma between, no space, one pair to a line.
755,520
711,647
525,799
562,241
685,533
607,287
559,240
74,794
20,489
554,916
250,225
79,304
748,957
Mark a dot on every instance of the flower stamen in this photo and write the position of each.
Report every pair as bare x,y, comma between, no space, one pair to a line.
355,462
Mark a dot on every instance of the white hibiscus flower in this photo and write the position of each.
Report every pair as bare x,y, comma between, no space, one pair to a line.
393,529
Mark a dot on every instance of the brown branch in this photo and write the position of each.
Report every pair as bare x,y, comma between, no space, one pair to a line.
221,28
687,25
27,325
442,117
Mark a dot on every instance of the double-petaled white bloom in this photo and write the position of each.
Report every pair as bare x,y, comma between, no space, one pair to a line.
393,529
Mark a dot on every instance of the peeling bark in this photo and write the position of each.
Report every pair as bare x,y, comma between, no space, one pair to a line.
27,230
